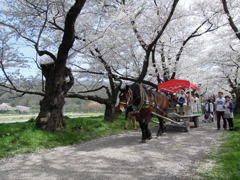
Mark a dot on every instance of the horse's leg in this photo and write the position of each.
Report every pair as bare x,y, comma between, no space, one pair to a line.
142,126
160,129
163,127
148,132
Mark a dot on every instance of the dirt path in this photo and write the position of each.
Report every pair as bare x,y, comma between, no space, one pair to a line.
118,157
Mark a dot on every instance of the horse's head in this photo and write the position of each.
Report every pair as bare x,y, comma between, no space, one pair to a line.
125,98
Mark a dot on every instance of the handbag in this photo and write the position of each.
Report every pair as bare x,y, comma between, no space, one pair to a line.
228,115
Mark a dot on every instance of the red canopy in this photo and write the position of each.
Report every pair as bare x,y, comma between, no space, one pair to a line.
175,85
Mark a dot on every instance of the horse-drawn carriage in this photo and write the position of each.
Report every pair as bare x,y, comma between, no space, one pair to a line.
147,103
193,109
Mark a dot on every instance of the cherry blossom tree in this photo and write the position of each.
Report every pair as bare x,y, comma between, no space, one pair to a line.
48,26
109,43
122,54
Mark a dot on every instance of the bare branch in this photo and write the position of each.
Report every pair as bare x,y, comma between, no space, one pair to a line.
88,97
154,42
18,32
6,75
106,66
155,2
92,90
41,53
69,32
155,66
22,91
159,34
193,35
139,37
230,19
57,27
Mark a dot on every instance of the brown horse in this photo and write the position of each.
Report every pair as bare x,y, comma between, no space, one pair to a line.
144,102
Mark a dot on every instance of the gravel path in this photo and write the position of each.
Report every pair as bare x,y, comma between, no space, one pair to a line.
119,157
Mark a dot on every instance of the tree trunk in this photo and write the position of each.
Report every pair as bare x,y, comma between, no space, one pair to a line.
56,75
51,116
111,113
237,104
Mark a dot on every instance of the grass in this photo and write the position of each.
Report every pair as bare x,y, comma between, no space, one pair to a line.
21,138
227,158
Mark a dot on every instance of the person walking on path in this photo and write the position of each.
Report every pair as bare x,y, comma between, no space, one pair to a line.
208,111
220,101
228,114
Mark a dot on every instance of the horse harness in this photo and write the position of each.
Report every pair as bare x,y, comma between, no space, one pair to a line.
145,100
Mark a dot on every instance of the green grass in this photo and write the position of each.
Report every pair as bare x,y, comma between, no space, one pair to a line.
21,138
227,157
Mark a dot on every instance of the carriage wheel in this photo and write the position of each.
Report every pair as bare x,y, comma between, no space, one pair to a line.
196,122
187,126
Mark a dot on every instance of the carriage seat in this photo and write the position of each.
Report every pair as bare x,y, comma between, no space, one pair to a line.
173,110
172,104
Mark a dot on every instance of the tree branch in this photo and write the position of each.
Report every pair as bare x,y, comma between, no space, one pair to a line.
22,91
69,34
92,90
41,53
192,35
154,42
230,19
155,66
5,73
106,66
174,5
88,97
18,32
139,37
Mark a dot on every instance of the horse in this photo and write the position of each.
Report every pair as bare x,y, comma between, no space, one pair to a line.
144,102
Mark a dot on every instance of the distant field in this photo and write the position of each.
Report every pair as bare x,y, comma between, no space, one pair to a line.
7,118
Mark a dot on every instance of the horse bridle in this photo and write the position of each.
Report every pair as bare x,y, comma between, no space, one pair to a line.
142,98
129,98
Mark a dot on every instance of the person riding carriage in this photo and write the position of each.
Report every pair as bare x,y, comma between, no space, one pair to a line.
187,103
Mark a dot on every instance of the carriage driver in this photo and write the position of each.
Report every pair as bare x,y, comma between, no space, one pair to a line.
181,101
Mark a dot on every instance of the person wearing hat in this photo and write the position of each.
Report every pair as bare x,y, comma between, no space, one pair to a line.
228,113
